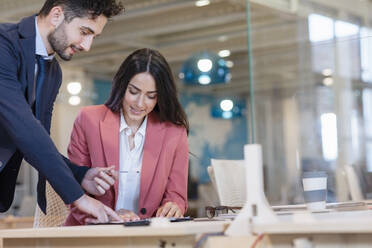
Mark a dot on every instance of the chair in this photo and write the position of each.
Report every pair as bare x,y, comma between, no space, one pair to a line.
354,184
57,210
230,181
212,177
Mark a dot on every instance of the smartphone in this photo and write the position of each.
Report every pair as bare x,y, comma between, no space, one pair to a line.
137,223
108,223
188,218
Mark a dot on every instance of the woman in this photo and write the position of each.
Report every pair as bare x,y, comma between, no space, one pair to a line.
142,130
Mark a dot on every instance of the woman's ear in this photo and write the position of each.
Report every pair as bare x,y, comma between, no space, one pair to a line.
56,16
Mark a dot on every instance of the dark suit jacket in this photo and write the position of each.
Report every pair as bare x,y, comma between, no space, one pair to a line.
21,133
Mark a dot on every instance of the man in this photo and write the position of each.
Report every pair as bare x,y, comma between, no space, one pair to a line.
30,78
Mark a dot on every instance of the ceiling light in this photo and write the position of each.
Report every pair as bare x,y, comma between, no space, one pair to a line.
205,65
204,68
74,100
227,114
204,79
224,53
74,88
222,38
202,3
229,64
327,72
226,105
328,81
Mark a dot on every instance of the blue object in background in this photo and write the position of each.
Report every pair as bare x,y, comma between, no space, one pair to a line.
210,137
102,89
205,68
236,110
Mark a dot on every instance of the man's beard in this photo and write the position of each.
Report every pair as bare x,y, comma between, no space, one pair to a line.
58,41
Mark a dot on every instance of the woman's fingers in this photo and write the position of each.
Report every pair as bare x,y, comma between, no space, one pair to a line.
178,214
127,215
172,211
100,189
101,183
109,175
159,211
90,221
165,209
169,209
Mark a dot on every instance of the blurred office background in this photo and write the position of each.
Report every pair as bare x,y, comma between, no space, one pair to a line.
296,78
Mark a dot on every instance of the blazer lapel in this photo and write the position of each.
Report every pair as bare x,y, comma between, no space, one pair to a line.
27,40
151,151
109,129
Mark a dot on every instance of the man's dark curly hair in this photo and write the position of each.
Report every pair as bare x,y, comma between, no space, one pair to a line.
83,8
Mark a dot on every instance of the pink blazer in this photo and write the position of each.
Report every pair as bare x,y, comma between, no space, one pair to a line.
95,143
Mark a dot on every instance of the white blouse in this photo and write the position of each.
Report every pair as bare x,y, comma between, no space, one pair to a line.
130,166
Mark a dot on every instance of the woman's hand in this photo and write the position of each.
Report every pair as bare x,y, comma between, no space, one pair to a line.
169,209
127,215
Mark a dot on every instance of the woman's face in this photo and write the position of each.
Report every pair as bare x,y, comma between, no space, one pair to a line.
140,98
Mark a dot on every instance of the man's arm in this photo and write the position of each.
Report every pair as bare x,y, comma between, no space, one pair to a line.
30,137
27,133
78,171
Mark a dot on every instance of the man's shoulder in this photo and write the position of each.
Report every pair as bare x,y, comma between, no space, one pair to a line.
8,27
9,32
13,32
13,29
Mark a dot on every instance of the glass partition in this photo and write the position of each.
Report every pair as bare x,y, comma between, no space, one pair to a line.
312,90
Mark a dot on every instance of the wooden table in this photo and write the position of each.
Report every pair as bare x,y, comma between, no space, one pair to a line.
11,222
182,234
349,229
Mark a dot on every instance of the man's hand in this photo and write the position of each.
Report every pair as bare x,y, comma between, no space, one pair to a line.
169,209
127,215
97,180
97,209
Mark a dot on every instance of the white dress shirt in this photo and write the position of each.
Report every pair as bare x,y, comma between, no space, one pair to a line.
130,166
40,48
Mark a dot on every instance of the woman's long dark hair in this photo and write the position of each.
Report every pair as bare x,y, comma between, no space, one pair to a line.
167,108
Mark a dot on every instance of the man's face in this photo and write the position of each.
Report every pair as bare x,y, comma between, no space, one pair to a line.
75,36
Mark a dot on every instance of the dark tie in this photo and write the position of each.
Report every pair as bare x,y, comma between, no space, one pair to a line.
39,83
41,64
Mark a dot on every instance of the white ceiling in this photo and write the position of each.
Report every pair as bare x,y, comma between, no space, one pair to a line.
177,28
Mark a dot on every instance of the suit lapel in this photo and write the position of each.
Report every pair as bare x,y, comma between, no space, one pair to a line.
27,40
30,70
151,151
109,129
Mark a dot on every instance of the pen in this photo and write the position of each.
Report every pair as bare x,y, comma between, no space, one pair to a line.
125,171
